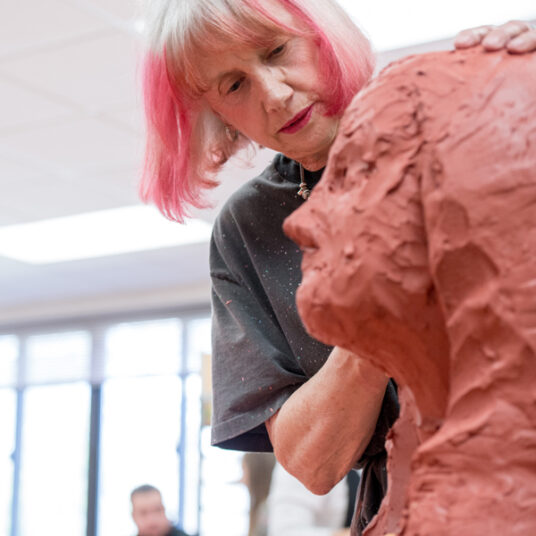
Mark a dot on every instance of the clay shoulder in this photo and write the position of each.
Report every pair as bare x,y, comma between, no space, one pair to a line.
437,81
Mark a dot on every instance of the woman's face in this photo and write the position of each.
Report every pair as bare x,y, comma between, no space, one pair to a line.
274,97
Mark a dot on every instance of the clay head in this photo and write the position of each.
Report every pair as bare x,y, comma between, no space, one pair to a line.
419,255
354,266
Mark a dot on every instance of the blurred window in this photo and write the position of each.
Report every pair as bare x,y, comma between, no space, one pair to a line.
8,401
192,458
54,458
199,343
138,393
222,496
139,437
143,349
9,350
57,358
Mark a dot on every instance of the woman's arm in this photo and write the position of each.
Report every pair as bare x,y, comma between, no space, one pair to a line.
325,426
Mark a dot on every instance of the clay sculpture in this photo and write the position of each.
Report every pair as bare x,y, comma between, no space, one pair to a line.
420,255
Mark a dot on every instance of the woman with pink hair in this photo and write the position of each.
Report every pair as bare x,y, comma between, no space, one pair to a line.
221,74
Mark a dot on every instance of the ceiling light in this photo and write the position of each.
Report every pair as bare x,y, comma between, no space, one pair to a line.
98,234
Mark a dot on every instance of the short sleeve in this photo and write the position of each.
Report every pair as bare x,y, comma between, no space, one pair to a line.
254,369
388,415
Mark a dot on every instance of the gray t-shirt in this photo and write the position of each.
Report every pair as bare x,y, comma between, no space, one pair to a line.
261,351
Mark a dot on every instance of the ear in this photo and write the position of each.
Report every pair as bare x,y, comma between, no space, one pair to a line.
231,133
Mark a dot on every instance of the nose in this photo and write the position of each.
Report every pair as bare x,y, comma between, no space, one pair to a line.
276,92
299,229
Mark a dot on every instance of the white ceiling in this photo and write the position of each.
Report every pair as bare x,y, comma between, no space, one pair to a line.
392,24
71,141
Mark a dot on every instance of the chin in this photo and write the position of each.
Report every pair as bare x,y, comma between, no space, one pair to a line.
315,153
316,309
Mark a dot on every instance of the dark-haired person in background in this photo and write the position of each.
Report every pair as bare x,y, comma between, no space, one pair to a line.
149,514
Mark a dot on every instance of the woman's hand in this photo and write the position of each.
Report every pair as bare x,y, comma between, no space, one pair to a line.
516,36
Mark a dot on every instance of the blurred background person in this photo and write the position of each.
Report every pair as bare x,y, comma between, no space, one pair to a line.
294,511
149,514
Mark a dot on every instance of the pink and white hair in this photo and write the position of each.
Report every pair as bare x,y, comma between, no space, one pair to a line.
186,143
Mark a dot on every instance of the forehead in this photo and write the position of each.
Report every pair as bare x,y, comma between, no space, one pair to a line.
232,37
230,59
146,499
247,28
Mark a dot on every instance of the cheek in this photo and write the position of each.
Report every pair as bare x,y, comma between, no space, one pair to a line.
222,112
242,118
309,76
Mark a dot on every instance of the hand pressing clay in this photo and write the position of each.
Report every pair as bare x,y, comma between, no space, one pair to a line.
420,256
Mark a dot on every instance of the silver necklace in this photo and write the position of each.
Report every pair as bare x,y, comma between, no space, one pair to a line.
303,191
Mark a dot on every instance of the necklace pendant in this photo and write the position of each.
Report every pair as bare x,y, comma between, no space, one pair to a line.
304,191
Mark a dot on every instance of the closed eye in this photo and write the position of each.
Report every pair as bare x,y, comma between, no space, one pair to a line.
277,51
235,86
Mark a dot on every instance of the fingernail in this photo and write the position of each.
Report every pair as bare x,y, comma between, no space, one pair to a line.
516,42
493,41
517,45
464,41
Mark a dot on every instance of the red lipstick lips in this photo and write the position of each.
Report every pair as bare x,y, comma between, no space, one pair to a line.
298,122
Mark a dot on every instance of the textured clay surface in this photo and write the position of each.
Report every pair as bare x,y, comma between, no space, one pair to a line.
420,255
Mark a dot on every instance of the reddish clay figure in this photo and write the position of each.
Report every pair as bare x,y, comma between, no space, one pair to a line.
420,255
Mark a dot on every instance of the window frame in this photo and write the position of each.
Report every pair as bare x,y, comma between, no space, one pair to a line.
96,327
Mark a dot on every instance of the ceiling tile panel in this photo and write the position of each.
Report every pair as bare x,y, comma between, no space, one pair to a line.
79,146
96,74
126,10
130,117
30,194
28,25
15,172
121,186
36,203
21,108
